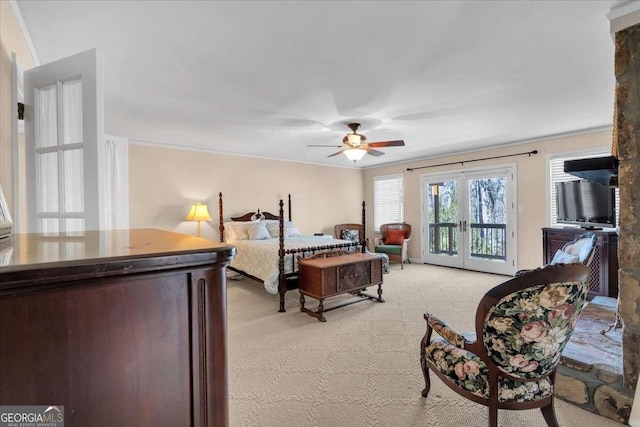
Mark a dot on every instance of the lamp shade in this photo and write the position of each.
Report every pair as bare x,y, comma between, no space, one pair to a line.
198,212
355,154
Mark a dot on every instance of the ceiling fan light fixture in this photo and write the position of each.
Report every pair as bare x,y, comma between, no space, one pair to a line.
354,139
355,154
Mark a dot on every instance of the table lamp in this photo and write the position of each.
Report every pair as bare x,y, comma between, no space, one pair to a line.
198,212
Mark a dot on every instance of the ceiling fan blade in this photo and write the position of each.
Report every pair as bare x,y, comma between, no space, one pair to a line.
398,143
335,154
373,152
317,145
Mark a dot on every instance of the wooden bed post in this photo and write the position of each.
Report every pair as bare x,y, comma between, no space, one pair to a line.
282,286
364,227
220,226
289,207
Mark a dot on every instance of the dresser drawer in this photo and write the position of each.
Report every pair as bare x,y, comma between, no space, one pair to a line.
353,276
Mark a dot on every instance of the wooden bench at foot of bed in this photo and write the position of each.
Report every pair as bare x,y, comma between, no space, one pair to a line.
324,277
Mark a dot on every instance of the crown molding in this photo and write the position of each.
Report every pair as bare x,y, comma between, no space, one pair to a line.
586,131
25,31
624,16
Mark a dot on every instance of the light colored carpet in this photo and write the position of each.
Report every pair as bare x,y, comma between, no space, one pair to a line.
361,367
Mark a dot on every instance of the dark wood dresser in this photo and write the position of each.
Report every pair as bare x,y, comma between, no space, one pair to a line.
321,278
122,328
603,279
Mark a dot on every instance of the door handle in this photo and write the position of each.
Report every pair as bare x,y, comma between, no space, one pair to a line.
464,226
459,225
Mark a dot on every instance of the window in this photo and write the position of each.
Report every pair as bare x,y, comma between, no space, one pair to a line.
557,174
387,200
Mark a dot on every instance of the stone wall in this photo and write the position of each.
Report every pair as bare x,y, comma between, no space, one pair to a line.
626,144
595,388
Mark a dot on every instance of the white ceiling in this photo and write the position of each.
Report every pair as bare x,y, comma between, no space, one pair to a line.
267,78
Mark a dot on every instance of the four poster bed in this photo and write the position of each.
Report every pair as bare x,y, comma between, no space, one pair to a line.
268,247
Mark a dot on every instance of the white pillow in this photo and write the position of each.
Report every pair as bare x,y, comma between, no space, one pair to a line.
580,249
289,229
237,230
258,232
562,257
273,226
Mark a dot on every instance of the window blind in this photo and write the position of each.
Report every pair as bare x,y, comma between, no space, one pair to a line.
387,200
557,174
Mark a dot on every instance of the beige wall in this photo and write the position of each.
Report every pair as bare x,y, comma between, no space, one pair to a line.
11,40
531,187
164,182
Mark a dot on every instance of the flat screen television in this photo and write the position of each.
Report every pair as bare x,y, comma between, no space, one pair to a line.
586,204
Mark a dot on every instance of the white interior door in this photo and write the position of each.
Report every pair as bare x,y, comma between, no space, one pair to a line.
17,79
469,220
64,125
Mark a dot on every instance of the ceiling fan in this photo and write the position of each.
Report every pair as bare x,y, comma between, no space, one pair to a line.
355,145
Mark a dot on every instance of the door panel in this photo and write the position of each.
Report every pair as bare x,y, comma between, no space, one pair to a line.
487,217
469,221
444,223
63,129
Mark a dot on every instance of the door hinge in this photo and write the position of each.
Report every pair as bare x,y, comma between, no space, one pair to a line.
20,111
513,234
513,262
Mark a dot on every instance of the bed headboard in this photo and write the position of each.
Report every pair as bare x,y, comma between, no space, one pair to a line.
249,216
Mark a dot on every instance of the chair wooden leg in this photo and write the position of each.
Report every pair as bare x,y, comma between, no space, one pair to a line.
493,396
493,414
549,414
423,360
427,381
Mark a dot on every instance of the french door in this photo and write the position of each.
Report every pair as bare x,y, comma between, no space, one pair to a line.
469,221
63,125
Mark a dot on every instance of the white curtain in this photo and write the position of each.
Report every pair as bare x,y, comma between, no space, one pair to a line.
116,197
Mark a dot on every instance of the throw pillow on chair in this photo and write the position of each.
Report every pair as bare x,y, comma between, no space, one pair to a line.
352,235
395,237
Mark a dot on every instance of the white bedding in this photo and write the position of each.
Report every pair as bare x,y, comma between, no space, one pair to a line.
259,258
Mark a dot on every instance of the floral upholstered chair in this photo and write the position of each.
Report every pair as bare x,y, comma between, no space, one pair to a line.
522,326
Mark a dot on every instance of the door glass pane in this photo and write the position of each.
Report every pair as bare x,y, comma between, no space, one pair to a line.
73,181
72,111
46,117
49,225
443,218
488,218
48,182
74,224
